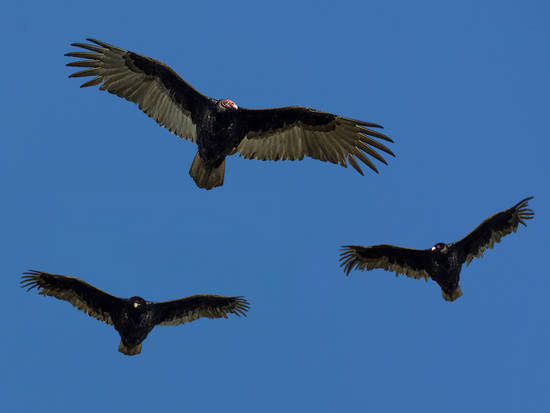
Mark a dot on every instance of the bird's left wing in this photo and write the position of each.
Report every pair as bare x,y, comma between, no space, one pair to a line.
183,310
493,229
157,89
411,262
82,295
294,132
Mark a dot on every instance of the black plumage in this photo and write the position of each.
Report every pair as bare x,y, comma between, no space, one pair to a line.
219,127
443,262
133,318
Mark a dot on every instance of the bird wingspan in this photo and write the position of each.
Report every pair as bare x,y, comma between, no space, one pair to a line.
82,295
295,131
183,310
411,262
493,229
158,91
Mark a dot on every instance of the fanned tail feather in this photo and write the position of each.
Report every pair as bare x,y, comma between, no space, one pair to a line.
129,351
206,177
452,296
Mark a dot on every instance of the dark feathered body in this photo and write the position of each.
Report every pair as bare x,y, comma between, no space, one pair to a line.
443,262
133,323
133,318
445,270
218,134
219,127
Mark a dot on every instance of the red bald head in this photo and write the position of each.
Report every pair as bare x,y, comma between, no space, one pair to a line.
229,104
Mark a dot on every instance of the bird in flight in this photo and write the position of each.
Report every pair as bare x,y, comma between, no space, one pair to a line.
134,317
221,128
443,262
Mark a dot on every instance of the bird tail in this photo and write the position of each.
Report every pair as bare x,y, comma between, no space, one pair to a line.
129,351
205,176
451,296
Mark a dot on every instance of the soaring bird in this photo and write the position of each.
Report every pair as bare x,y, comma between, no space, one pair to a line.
221,128
133,317
443,262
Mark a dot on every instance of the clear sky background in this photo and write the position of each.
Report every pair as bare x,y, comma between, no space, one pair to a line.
92,187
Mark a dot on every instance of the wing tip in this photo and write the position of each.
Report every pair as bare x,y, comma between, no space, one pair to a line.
524,213
369,124
242,305
348,258
31,279
524,201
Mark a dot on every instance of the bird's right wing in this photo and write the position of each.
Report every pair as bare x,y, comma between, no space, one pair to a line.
411,262
82,295
293,132
493,229
158,91
183,310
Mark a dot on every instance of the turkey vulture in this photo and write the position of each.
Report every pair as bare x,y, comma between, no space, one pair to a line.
133,317
443,262
221,128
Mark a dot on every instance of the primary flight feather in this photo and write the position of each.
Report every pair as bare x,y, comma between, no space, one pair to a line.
221,128
133,318
443,262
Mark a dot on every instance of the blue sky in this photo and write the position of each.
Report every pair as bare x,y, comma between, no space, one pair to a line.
94,188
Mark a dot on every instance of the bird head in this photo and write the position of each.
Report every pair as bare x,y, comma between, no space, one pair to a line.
228,104
440,247
136,301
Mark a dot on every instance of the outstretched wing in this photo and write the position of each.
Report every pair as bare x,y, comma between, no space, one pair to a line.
413,263
158,91
295,131
82,295
493,229
183,310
